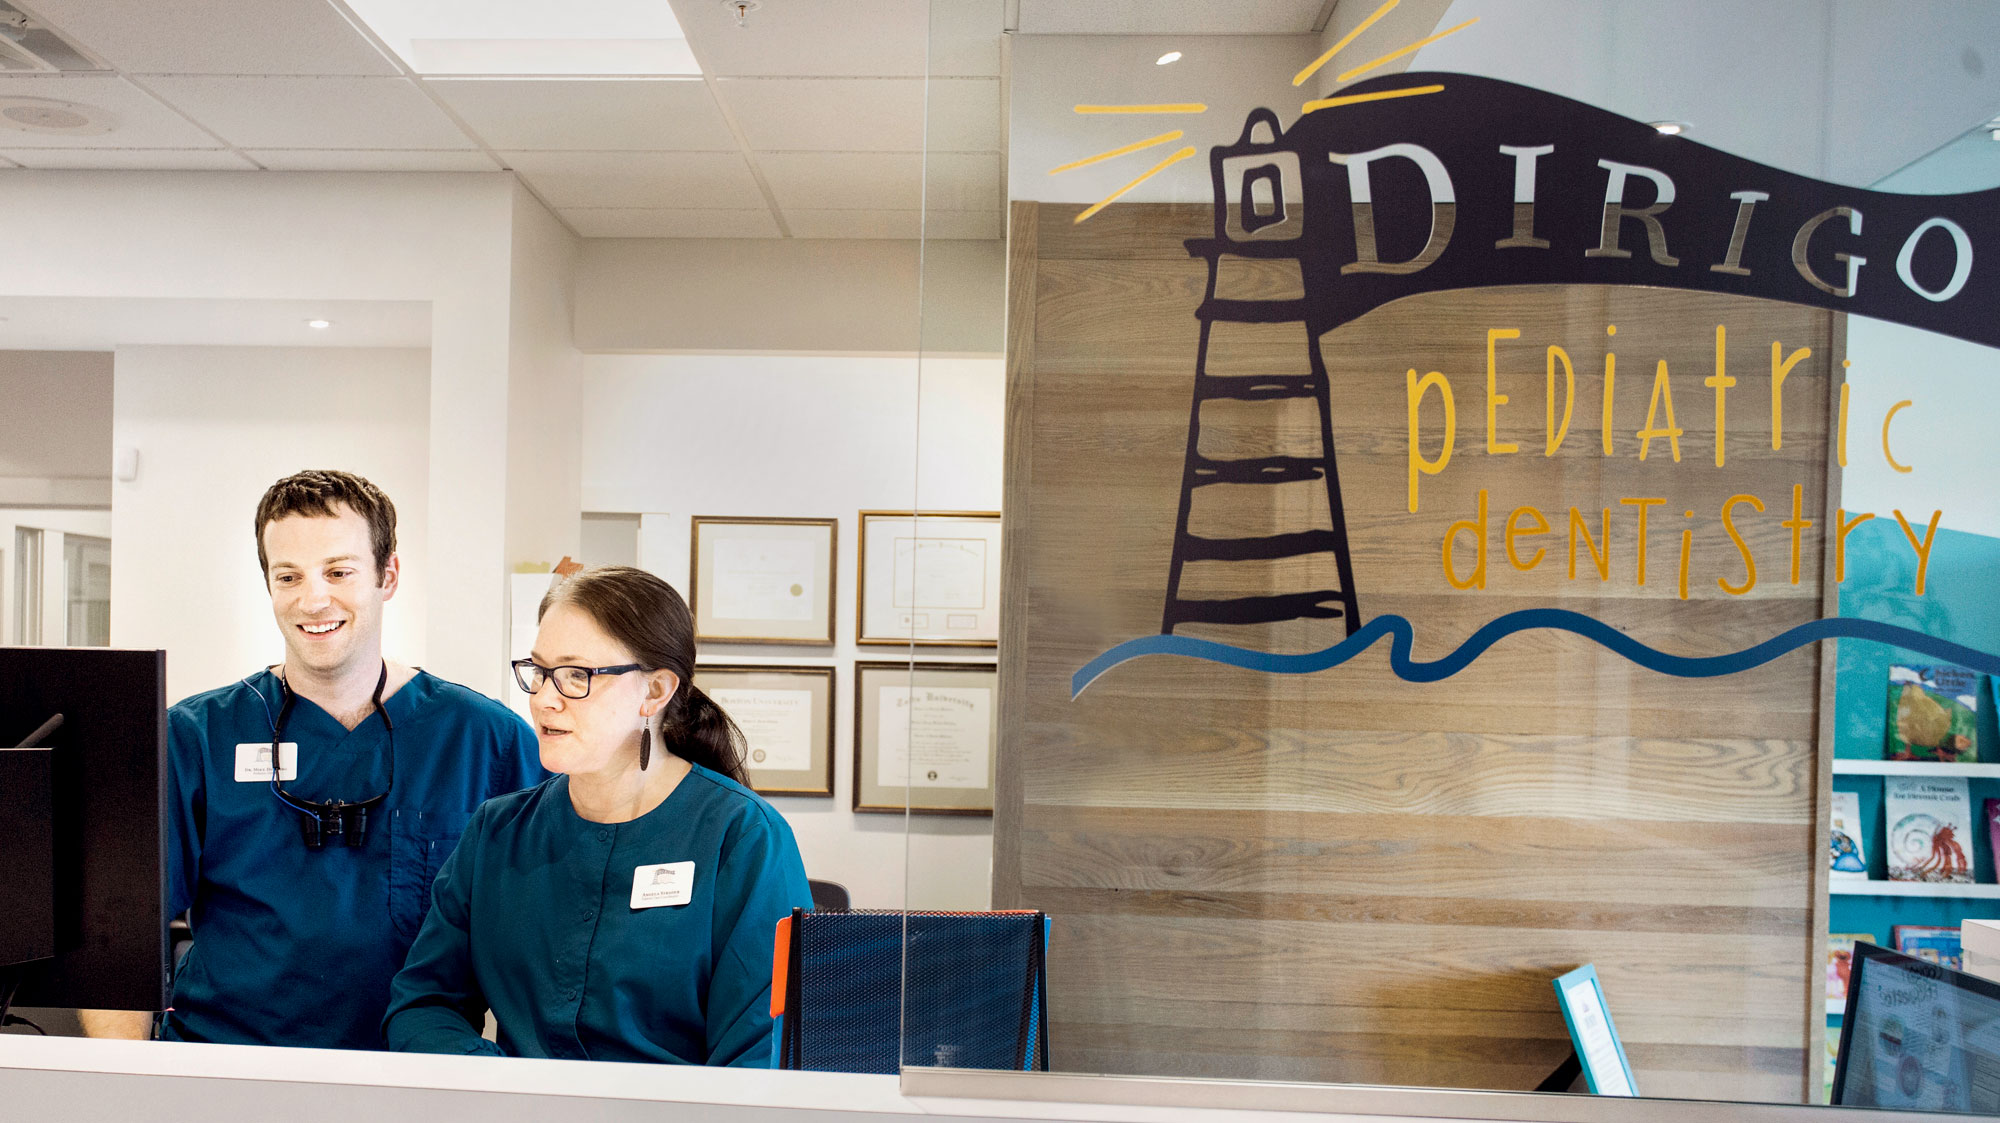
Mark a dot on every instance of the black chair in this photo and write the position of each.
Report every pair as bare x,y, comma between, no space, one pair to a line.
976,994
828,896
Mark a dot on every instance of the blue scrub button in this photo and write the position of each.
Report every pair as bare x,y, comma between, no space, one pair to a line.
603,835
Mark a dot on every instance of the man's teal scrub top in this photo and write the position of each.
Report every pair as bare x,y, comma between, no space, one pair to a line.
295,946
594,941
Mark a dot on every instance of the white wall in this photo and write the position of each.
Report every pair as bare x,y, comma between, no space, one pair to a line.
769,296
55,426
544,402
444,239
809,437
215,427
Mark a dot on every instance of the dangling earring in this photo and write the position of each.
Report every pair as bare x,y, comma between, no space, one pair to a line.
645,745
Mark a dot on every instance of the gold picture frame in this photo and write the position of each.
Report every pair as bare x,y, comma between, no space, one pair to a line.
928,579
951,729
763,701
763,580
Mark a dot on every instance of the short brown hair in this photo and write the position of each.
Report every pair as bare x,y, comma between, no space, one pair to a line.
314,494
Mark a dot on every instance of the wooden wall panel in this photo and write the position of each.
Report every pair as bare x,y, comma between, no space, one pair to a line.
1348,877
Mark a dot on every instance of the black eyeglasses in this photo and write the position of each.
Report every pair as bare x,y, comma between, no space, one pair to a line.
571,682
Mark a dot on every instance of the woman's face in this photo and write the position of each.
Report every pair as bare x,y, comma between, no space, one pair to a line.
598,733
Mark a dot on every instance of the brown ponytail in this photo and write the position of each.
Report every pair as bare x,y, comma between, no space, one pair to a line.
646,616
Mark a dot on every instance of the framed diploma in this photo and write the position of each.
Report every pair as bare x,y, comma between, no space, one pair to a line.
786,715
925,737
763,580
930,578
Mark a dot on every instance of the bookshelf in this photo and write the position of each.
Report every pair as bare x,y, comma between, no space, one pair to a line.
1852,767
1880,888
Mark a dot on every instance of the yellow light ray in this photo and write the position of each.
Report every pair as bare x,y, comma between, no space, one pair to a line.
1299,79
1378,95
1173,107
1411,49
1163,138
1156,169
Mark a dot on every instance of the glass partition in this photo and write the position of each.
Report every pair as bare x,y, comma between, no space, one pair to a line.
1489,492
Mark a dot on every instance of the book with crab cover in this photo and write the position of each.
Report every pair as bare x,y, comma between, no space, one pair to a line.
1933,714
1928,825
1930,943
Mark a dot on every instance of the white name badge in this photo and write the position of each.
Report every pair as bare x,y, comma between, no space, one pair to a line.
253,762
669,884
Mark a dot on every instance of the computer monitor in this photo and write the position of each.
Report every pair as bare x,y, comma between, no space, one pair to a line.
88,811
1917,1035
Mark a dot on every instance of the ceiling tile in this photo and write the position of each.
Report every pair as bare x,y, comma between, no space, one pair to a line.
313,112
855,224
126,159
828,114
6,163
853,37
589,115
853,181
982,225
964,115
217,36
1168,17
140,120
965,39
647,222
962,181
681,180
370,160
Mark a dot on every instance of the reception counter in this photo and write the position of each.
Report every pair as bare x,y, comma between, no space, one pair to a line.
54,1080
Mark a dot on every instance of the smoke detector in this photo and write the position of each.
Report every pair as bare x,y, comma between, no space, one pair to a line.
49,116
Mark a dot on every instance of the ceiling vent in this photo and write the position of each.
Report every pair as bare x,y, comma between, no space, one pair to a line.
27,46
49,116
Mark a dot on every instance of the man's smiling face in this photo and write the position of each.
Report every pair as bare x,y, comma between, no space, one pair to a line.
325,592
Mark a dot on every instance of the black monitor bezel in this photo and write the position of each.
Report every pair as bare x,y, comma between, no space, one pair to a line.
1866,953
111,764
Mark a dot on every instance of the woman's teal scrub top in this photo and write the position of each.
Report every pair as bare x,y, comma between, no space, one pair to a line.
295,946
538,916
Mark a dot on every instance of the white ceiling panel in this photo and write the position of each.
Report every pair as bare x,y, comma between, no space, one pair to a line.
678,181
849,181
983,225
132,159
1168,17
965,39
370,160
646,222
652,116
217,36
814,38
828,114
962,181
74,323
964,115
6,163
139,120
855,224
313,112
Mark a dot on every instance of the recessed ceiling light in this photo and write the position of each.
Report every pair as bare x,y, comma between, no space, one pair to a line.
1170,56
319,325
1670,128
47,115
524,38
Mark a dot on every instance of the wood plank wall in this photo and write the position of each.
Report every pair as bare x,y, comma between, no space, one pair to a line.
1344,876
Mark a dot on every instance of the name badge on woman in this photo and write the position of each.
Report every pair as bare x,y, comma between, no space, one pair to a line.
668,884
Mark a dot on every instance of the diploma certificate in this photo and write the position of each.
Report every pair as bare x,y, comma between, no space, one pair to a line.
934,736
763,579
777,725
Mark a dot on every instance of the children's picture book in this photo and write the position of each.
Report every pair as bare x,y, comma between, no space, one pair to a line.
1928,824
1936,945
1847,844
1933,713
1840,961
1993,826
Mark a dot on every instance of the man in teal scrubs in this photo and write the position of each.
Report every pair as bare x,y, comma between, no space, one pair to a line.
303,905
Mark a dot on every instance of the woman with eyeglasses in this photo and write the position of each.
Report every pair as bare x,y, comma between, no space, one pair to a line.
625,908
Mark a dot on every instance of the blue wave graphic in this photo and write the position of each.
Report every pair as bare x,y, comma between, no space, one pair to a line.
1401,633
